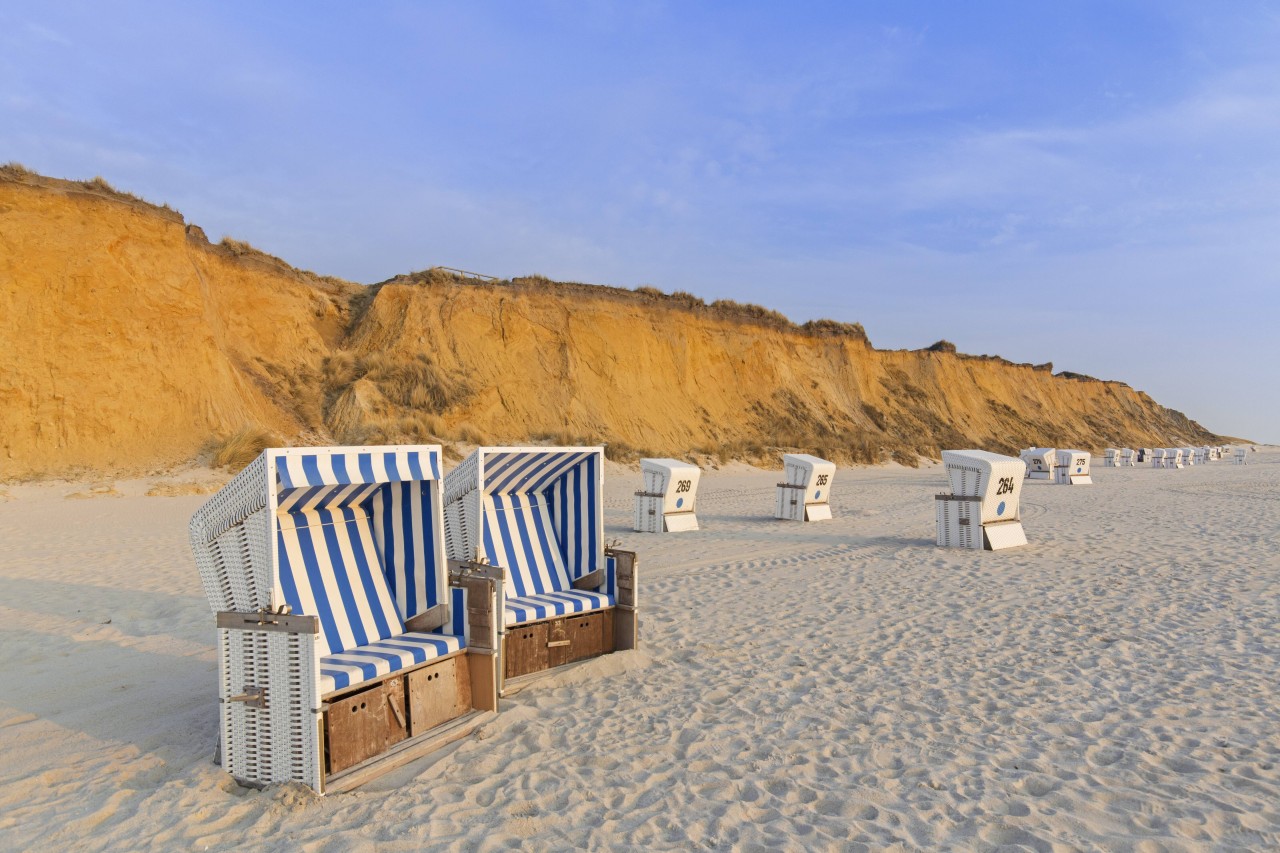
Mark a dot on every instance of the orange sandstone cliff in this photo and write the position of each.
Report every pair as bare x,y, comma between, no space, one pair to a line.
130,343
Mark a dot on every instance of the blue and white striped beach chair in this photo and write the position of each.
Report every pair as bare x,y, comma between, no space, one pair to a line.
343,648
538,513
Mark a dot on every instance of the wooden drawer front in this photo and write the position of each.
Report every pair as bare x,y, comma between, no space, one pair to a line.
365,724
438,693
589,635
525,650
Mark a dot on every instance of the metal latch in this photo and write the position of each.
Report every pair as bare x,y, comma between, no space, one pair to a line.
253,697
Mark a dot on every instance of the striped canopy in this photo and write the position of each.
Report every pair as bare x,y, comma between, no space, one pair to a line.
529,471
359,539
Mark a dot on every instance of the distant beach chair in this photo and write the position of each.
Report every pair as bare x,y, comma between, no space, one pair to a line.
1072,468
1111,458
1127,457
1039,462
1157,457
669,500
1242,456
1188,455
1173,457
982,510
538,513
343,650
805,494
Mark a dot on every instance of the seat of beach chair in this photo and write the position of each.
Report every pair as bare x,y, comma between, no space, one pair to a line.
533,608
353,667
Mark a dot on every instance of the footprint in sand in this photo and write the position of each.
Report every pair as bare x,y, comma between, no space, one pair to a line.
1103,756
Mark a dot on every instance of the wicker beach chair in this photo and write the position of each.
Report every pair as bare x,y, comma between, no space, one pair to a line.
669,501
345,647
1072,468
1039,461
538,513
806,493
983,509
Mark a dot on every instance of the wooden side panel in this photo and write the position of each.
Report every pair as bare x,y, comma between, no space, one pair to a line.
626,629
438,693
626,576
365,724
589,635
483,666
525,651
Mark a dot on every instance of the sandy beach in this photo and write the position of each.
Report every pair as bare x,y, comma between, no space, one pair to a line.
843,685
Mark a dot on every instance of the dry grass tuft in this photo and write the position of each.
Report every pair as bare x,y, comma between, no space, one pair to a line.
166,489
14,169
747,310
97,490
242,447
468,434
835,329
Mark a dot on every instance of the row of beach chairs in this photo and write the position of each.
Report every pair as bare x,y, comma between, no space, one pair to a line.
370,610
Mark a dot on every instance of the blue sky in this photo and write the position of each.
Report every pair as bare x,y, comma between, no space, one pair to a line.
1093,184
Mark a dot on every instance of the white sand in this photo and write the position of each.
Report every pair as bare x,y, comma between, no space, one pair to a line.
843,685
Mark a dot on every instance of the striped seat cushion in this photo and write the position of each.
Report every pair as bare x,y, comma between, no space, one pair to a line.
364,663
531,608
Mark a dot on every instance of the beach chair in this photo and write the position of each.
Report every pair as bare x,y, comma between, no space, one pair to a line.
1072,468
668,503
805,494
538,513
1111,458
1156,455
344,647
1188,455
1127,457
1039,462
1173,457
982,510
1241,457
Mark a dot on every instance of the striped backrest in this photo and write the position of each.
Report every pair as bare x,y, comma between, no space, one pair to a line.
577,507
329,567
407,532
519,536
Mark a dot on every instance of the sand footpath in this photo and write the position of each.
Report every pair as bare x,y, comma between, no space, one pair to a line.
842,685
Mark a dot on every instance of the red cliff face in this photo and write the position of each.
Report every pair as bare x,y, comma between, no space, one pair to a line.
130,343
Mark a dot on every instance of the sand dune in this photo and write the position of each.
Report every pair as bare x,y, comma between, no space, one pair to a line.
843,685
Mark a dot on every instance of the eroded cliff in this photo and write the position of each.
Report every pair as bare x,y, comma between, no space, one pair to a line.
131,343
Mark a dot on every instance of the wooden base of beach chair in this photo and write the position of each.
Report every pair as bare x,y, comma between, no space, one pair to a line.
407,751
551,643
395,715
